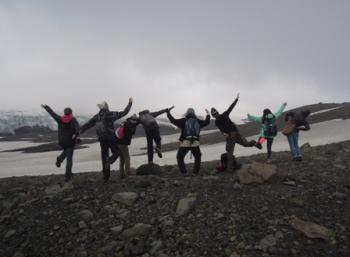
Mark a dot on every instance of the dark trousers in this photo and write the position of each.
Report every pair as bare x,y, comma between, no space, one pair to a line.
67,153
106,143
152,135
231,140
269,146
181,153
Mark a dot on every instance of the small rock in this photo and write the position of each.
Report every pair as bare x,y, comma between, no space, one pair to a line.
139,229
135,247
234,254
289,183
339,195
306,146
127,198
86,215
82,224
211,177
117,229
68,200
237,186
156,246
18,254
266,243
10,233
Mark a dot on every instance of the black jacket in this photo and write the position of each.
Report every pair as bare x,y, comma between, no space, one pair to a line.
105,122
299,119
223,121
180,123
68,126
147,119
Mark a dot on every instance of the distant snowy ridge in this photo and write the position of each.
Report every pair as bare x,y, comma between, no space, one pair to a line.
12,120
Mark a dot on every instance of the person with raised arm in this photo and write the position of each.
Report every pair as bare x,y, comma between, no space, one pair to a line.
103,122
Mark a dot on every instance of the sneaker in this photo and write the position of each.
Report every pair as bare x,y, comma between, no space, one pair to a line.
58,162
159,152
299,158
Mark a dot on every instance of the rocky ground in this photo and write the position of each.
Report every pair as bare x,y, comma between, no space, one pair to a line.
172,215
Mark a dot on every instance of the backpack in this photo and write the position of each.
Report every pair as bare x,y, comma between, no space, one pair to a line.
148,121
120,131
192,129
270,129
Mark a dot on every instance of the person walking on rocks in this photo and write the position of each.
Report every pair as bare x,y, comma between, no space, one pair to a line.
149,123
103,121
231,133
268,129
68,128
294,124
189,139
124,135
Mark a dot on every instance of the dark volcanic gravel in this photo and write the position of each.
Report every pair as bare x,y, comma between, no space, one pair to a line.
42,216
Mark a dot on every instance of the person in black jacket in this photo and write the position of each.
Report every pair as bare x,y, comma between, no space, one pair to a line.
103,122
231,133
189,139
149,123
300,122
68,128
128,129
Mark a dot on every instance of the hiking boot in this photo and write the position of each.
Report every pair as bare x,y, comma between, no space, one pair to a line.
159,152
258,145
58,162
299,158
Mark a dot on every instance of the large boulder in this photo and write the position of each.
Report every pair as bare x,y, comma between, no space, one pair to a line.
149,169
313,230
127,198
256,173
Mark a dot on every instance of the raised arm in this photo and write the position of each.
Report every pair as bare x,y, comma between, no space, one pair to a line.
205,122
229,110
176,122
254,118
280,110
118,115
56,117
88,124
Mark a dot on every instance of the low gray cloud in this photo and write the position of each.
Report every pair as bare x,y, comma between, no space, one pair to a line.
186,53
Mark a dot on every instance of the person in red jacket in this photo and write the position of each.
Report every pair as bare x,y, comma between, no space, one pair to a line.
68,128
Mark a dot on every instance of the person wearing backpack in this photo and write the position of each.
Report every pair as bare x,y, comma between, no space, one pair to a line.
294,124
149,123
126,131
103,122
268,127
189,139
231,133
68,128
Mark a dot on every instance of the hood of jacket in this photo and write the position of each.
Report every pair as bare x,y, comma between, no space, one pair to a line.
67,118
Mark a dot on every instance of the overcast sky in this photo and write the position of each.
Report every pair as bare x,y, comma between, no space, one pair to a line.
184,53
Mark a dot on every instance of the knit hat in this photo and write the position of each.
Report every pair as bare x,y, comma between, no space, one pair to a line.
190,111
103,105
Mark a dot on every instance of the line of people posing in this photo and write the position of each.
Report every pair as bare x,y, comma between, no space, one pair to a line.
117,140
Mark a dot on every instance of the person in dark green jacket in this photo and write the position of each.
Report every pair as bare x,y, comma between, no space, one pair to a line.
268,126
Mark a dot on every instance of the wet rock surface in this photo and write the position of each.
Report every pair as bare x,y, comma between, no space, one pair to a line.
302,210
